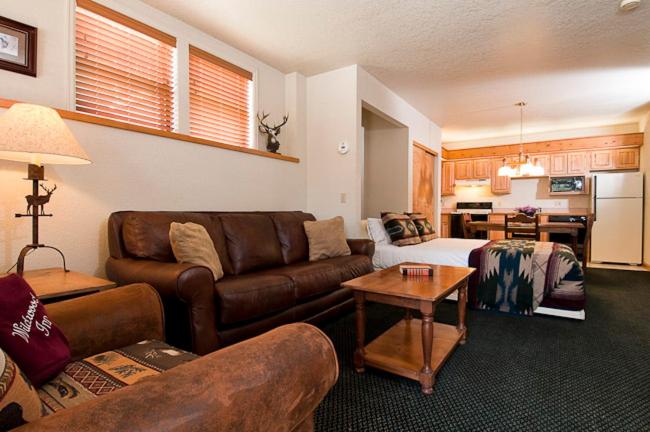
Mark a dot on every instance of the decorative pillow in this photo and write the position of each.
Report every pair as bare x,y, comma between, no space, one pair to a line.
192,244
19,401
424,227
400,229
377,232
326,239
35,343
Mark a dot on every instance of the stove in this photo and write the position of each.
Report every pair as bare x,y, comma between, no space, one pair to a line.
474,208
479,212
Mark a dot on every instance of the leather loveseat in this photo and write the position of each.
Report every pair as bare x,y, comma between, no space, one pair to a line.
235,389
268,279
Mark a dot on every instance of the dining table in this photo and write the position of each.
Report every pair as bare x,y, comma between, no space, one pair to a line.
571,228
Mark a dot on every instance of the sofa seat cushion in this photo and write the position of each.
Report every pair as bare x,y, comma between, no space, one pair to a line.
103,373
253,295
350,267
310,279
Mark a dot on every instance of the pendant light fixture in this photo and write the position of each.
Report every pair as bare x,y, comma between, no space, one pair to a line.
523,166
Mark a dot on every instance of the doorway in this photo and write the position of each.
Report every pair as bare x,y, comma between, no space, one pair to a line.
424,169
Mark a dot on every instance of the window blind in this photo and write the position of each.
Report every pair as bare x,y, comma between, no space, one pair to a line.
220,99
124,68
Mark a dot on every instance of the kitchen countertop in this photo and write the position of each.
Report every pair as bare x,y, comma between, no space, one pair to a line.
559,212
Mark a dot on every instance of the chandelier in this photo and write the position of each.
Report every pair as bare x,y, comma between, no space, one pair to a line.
523,167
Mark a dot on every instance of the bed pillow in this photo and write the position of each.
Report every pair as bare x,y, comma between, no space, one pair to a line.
19,401
34,342
192,244
424,227
377,232
326,239
400,229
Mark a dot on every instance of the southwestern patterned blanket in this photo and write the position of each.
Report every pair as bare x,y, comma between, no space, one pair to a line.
517,276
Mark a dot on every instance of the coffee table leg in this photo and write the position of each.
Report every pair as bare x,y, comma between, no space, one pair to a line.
359,353
426,373
462,308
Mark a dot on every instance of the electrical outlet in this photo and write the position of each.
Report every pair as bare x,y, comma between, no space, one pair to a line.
344,198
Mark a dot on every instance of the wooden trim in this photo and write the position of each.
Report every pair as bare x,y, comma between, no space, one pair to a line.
220,62
445,153
87,118
554,146
425,148
112,15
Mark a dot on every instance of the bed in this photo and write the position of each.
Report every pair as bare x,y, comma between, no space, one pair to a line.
555,274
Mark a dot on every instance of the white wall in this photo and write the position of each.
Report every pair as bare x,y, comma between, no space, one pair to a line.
331,119
386,148
645,167
334,103
132,170
524,192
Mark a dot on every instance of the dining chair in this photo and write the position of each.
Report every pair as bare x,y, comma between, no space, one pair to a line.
521,226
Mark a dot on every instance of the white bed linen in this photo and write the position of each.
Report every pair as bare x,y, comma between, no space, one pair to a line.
442,251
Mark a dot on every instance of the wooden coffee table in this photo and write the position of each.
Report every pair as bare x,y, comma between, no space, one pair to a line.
412,348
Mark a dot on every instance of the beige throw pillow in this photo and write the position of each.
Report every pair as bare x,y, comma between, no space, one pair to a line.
192,244
326,239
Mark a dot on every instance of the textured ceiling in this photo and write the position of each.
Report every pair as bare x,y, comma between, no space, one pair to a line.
464,63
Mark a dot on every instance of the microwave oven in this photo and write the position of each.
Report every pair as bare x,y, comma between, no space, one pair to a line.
568,185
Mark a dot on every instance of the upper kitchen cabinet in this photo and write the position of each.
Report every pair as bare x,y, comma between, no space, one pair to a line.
447,179
614,159
481,168
577,163
542,160
558,164
499,184
627,158
463,170
601,160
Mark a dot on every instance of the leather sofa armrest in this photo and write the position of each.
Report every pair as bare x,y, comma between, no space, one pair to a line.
108,320
362,247
271,382
189,283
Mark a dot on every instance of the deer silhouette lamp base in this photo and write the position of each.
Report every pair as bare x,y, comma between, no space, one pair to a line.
35,210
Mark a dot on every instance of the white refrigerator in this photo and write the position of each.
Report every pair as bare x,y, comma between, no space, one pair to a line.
617,235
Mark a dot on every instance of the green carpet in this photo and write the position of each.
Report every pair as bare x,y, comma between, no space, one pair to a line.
515,373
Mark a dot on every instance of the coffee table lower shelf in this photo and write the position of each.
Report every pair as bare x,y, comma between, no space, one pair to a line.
399,349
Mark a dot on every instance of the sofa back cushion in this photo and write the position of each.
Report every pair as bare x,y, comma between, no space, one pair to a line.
291,234
146,235
252,241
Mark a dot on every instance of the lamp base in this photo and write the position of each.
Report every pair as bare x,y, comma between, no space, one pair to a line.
20,264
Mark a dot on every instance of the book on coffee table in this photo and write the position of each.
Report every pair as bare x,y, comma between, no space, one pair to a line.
416,270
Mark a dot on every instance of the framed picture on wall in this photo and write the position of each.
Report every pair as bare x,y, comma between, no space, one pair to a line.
17,47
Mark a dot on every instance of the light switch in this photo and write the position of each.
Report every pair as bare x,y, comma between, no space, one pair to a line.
344,197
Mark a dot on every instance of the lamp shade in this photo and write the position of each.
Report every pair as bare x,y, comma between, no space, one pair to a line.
37,135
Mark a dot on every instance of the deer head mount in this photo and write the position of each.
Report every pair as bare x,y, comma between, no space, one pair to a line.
34,201
272,132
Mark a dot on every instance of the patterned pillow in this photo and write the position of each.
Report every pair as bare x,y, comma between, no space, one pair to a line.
424,227
400,229
19,402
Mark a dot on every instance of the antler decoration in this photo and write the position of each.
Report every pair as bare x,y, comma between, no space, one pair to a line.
272,132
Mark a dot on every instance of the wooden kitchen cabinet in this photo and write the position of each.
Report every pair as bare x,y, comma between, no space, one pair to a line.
543,160
601,160
481,168
576,163
558,164
463,170
445,225
627,158
447,179
499,184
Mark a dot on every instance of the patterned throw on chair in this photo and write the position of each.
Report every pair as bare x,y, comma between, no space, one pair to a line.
515,276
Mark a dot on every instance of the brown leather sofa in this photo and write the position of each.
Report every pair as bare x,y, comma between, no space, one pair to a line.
268,279
234,389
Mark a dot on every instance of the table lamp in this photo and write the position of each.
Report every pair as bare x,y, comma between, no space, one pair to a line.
37,135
